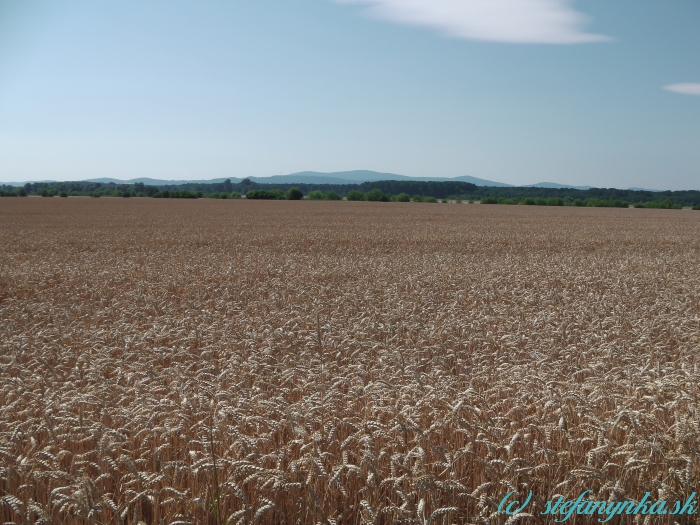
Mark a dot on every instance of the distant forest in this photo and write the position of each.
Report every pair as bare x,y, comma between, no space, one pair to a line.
388,188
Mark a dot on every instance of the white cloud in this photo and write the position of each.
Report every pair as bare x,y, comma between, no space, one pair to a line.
687,88
513,21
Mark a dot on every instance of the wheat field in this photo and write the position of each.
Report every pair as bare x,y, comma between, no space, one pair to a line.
213,362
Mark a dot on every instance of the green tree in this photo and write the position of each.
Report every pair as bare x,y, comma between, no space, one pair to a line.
294,194
265,194
315,195
403,197
417,198
332,196
355,195
375,195
555,201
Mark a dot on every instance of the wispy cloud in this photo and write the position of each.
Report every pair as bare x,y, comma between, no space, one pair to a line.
513,21
686,88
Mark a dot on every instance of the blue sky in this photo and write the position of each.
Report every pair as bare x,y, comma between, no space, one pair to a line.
595,92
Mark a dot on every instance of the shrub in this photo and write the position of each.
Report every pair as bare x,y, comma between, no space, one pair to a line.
375,195
217,195
315,195
502,200
696,207
417,198
429,199
402,197
663,205
265,194
528,201
601,203
294,194
355,195
555,201
458,201
489,200
63,194
332,196
235,195
185,194
444,201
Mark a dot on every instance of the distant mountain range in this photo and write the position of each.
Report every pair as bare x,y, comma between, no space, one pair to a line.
312,177
555,185
338,177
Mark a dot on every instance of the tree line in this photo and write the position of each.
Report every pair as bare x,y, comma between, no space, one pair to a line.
390,190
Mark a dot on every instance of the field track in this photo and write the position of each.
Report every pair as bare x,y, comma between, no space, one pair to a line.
198,361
